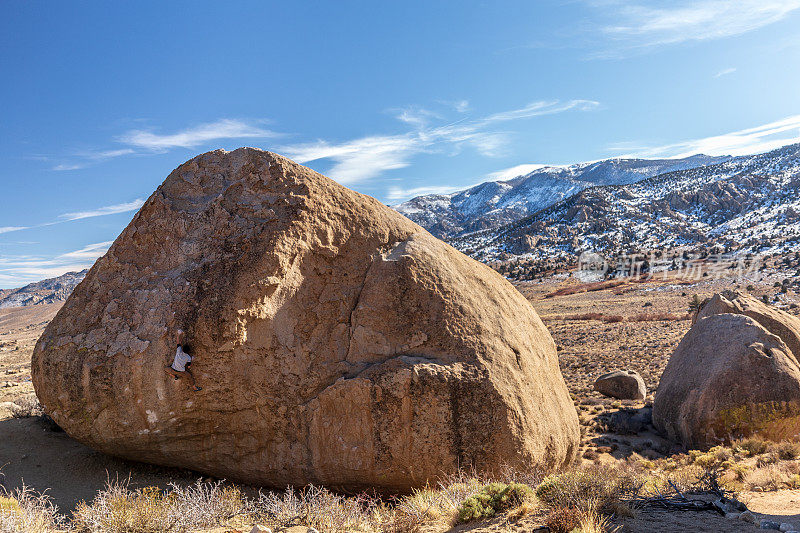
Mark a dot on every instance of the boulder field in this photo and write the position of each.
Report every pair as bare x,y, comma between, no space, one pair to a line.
335,341
733,375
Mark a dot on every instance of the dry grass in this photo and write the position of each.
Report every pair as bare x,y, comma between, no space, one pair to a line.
582,499
774,476
657,317
149,510
26,407
24,511
585,287
564,519
319,508
748,464
614,318
604,489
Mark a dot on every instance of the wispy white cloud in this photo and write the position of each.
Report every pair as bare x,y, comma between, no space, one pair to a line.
78,215
398,193
535,109
88,253
415,116
141,141
725,72
642,26
69,166
368,157
195,136
106,210
22,269
358,159
9,229
84,159
513,172
743,142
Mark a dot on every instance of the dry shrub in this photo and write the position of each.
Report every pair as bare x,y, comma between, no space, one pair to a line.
657,317
604,489
321,509
594,522
26,407
787,450
585,287
563,520
751,446
571,520
773,477
492,499
586,316
595,316
25,511
440,504
151,509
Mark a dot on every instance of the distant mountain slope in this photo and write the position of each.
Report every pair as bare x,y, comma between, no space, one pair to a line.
745,203
495,203
46,291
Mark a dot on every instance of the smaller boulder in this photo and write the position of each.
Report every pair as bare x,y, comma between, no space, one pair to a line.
728,378
621,384
747,516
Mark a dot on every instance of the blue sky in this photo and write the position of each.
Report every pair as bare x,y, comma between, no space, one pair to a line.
101,100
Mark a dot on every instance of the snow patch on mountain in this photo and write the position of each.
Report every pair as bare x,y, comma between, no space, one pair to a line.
495,203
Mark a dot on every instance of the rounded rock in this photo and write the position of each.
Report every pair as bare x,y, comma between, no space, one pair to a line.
335,341
621,384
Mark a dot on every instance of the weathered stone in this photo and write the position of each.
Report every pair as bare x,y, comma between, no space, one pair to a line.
728,378
777,322
621,384
336,341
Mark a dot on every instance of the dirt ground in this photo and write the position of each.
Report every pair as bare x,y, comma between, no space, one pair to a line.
33,454
20,327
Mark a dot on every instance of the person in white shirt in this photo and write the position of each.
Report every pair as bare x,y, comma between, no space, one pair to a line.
180,364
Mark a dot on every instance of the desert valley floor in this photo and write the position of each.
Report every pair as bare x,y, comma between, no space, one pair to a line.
597,328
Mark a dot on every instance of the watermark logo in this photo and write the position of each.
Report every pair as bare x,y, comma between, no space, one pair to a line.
661,264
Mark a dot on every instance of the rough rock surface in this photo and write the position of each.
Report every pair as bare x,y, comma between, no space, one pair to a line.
778,322
336,341
729,377
621,384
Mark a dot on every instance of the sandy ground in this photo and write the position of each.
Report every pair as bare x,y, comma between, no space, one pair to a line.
34,454
20,327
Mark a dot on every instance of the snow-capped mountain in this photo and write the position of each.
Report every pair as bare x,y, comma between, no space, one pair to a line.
47,291
495,203
746,203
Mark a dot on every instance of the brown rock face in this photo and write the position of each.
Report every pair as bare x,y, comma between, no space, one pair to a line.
336,341
733,375
778,322
621,384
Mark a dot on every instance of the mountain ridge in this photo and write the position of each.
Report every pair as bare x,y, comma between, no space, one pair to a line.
46,291
737,204
492,204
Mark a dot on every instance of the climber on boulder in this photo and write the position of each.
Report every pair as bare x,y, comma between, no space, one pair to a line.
180,364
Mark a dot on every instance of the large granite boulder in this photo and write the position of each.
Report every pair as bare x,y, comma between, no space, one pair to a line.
778,322
733,375
336,341
621,384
